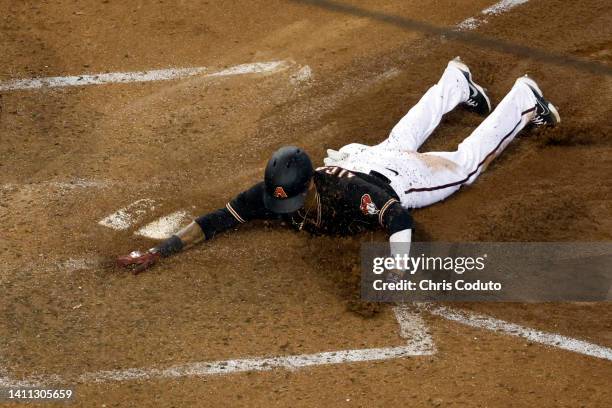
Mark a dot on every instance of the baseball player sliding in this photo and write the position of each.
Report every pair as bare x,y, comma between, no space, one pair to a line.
364,187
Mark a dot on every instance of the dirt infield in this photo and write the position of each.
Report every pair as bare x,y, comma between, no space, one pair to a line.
70,156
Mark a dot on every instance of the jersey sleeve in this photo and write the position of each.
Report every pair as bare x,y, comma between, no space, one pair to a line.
246,206
397,221
396,218
376,202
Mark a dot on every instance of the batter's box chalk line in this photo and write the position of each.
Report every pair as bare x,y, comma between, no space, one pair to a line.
512,329
411,325
141,76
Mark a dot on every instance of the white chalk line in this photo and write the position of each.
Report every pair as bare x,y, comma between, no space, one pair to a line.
253,68
303,75
100,79
138,76
412,329
498,8
503,6
6,382
56,185
77,264
411,326
512,329
254,364
60,267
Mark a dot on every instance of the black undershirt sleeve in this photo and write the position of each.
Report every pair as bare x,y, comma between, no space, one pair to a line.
246,206
215,222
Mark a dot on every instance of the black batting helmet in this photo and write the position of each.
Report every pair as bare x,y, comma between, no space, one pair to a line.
287,177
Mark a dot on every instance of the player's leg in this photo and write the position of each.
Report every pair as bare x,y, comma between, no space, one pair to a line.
454,87
443,173
523,104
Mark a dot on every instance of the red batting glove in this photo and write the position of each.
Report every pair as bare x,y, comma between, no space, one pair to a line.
137,261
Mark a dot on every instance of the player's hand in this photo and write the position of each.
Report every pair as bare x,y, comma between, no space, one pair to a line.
334,157
138,261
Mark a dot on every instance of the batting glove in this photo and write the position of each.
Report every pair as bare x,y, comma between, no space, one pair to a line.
137,261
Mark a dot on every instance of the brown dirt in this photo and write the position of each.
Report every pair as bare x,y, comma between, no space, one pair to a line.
267,291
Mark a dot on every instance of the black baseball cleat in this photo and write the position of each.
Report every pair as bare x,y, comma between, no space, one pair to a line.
545,112
478,101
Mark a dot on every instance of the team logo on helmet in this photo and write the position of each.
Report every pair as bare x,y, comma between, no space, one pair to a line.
367,205
279,192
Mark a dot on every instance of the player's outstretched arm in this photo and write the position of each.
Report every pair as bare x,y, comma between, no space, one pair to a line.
185,238
247,206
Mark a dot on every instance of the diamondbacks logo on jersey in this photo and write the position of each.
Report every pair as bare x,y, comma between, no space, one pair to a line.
279,192
367,205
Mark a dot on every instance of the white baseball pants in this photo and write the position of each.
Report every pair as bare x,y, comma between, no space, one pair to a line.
422,179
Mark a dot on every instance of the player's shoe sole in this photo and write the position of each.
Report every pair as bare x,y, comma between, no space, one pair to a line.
546,114
478,101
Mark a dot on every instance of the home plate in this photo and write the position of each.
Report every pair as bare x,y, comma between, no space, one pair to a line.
125,217
164,227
